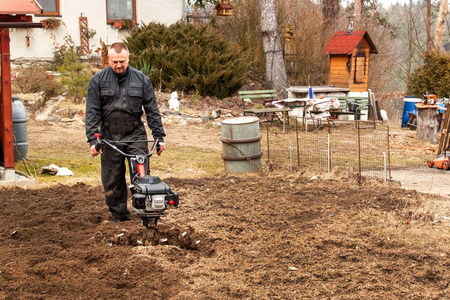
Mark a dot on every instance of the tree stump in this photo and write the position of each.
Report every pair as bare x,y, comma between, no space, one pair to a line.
427,123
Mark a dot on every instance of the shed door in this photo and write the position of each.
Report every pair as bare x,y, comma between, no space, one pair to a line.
360,69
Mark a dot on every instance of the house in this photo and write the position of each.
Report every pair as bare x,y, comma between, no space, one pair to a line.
350,60
88,24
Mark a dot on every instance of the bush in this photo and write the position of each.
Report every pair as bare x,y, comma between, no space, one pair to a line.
34,80
74,74
432,77
188,58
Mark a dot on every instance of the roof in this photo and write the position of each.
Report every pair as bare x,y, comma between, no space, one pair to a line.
343,42
19,7
224,5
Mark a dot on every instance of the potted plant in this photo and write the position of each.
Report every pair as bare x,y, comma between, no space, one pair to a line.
51,23
124,23
118,24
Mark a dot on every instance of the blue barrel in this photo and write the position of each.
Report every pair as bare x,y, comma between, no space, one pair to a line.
409,106
19,129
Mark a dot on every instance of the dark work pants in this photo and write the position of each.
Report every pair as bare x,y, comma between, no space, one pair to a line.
120,126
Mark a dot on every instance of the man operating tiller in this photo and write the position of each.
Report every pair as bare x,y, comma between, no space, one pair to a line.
116,99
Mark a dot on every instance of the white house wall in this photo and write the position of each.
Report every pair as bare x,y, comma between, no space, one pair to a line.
43,41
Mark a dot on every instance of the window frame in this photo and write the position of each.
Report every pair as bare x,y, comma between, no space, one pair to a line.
56,13
111,21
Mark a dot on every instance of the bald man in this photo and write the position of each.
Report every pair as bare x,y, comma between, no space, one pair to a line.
116,100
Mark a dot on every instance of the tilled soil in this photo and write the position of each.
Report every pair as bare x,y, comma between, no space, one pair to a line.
281,236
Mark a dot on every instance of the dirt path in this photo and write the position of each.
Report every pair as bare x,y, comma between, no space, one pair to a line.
424,180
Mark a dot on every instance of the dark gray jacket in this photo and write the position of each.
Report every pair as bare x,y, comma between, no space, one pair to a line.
128,92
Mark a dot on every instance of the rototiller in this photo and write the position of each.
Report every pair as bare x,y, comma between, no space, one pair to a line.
150,196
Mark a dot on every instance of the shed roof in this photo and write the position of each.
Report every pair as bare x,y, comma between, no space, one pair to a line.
344,42
224,5
19,7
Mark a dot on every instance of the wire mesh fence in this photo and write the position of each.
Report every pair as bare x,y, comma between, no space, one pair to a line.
358,146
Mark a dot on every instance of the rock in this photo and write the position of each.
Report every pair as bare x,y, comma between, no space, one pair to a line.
62,112
185,116
204,119
215,114
192,121
53,119
66,120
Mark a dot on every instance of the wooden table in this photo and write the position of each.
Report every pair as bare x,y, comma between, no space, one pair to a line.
280,114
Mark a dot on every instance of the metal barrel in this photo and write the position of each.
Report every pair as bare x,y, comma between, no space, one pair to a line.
19,129
241,144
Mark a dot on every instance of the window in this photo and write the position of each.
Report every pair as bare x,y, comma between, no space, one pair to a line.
120,9
49,7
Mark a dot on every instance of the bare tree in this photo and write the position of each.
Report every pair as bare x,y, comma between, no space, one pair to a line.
440,25
357,14
276,77
428,25
330,9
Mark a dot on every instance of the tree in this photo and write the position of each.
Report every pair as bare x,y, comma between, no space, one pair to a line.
276,77
440,25
427,24
330,10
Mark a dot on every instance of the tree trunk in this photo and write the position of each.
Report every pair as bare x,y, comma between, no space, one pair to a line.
428,25
330,10
440,25
427,124
276,77
357,14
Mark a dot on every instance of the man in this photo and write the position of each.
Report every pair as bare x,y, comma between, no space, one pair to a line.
116,98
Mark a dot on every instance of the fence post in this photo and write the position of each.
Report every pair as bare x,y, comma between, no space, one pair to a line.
320,149
290,153
329,153
298,144
268,148
359,150
389,152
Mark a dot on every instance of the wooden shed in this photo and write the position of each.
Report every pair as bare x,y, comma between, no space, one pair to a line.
350,60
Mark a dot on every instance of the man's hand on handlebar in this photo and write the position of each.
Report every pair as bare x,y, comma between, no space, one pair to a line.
160,148
94,152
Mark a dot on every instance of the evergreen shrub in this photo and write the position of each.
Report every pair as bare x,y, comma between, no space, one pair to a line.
188,58
432,77
75,75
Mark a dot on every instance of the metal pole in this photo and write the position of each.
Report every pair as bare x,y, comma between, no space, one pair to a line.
389,153
384,161
320,150
268,147
359,150
290,154
298,144
329,152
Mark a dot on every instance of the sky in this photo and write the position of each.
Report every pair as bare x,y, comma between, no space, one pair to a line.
387,3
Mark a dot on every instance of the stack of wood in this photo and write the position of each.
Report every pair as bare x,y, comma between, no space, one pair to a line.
375,112
444,143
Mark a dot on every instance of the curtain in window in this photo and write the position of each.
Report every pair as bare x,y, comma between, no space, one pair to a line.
48,5
120,9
